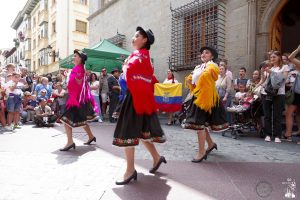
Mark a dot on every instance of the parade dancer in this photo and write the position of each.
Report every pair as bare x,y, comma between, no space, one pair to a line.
205,108
138,118
80,106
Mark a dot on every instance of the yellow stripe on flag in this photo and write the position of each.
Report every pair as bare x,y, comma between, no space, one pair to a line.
170,90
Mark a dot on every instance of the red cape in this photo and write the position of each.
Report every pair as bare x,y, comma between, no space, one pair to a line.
140,79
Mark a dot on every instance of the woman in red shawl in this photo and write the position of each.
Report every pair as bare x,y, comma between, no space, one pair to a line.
80,106
138,118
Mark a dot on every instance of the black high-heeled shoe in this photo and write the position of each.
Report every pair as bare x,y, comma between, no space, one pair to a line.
161,160
90,141
200,160
215,146
133,176
69,147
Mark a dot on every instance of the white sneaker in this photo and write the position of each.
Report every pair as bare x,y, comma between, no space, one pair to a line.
277,140
10,128
100,120
268,139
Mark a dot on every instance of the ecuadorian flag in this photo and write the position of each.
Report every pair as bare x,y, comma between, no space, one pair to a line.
168,97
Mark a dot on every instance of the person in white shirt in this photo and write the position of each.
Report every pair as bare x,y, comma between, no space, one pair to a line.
273,105
14,100
94,85
170,80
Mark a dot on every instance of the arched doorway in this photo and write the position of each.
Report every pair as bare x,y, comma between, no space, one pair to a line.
285,27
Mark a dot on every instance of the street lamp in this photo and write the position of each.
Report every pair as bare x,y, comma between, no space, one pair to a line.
53,53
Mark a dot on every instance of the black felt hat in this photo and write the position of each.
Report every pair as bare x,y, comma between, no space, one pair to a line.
212,50
82,54
149,34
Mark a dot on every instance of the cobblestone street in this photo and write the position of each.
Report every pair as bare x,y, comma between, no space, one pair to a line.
31,167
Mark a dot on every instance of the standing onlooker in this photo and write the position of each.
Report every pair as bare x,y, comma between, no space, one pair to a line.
44,85
14,101
170,80
223,85
26,80
273,104
60,98
296,102
103,90
10,69
286,61
94,85
224,63
114,92
2,107
241,80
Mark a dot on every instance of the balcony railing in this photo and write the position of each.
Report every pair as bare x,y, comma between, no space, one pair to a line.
43,43
27,34
27,55
43,16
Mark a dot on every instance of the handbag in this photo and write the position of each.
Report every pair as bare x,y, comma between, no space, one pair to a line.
289,96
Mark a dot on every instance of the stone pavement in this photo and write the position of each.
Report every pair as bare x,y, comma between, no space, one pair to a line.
31,167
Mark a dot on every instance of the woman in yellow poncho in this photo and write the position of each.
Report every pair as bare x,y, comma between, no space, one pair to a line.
205,108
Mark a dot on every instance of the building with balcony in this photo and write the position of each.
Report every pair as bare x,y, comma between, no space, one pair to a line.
61,25
242,30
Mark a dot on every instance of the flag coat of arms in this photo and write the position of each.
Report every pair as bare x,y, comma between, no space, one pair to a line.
168,97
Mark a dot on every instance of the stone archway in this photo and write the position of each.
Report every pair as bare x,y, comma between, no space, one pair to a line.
269,11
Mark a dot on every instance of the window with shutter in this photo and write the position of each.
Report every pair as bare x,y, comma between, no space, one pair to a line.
194,25
81,26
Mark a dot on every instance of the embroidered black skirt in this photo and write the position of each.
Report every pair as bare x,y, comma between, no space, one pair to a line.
132,127
198,119
79,116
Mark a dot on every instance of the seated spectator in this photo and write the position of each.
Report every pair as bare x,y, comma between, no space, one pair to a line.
43,86
29,103
241,80
240,94
43,95
43,114
244,103
253,85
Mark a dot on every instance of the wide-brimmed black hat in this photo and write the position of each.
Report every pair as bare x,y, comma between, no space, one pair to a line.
212,50
82,54
115,70
149,34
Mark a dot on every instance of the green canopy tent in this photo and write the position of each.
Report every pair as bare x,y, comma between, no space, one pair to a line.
104,54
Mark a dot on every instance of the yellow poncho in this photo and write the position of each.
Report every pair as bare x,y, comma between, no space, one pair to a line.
205,91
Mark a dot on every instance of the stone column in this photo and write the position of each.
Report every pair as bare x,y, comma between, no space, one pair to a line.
251,44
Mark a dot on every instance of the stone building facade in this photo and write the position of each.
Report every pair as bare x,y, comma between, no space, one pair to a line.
242,30
51,30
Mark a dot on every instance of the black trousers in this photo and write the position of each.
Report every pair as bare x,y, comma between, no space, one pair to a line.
273,108
113,101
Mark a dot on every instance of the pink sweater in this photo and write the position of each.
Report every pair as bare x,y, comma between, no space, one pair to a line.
79,92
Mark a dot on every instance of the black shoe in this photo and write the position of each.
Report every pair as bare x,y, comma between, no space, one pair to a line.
90,141
199,160
133,176
161,160
68,147
215,146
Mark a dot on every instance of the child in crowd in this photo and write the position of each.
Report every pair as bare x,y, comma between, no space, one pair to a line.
242,100
14,101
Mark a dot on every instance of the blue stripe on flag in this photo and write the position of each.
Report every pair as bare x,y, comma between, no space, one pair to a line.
168,100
